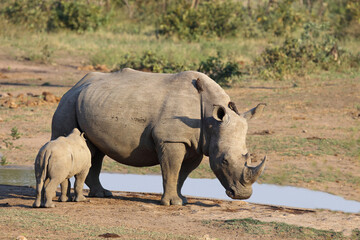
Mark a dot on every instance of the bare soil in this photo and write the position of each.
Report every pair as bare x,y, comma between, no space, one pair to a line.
315,109
143,212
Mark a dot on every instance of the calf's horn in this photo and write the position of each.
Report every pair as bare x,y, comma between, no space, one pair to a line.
250,174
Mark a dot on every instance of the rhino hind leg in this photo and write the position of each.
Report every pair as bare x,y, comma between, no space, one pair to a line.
79,185
50,192
171,156
92,179
65,191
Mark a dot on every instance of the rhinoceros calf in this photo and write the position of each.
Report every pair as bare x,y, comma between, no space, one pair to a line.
56,162
144,119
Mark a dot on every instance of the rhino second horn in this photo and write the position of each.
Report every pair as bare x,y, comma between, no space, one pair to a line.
250,174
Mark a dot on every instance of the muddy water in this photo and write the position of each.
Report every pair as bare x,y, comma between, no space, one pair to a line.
208,188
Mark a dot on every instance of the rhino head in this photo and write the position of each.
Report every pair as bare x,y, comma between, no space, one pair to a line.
228,155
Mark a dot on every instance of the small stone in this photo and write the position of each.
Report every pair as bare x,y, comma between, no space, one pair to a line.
49,97
21,238
12,105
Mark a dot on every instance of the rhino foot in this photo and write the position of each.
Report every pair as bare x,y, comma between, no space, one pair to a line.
101,193
64,199
80,198
172,201
184,199
49,205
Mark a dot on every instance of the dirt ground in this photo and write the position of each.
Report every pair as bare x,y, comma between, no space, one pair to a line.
314,110
142,211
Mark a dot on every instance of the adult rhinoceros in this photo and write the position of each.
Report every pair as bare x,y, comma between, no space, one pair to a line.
144,119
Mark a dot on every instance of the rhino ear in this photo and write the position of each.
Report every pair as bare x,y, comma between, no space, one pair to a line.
255,112
219,113
82,135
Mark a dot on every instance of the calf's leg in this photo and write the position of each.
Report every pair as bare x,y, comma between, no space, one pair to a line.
79,185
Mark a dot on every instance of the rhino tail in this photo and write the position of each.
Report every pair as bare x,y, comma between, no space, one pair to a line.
41,165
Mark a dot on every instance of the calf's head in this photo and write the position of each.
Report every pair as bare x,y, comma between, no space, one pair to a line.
229,158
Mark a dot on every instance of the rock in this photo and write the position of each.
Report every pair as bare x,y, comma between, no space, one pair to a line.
12,105
4,95
102,68
49,97
21,238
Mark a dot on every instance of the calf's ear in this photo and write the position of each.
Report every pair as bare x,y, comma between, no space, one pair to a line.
82,135
254,112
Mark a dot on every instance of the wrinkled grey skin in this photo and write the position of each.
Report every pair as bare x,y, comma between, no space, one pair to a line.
56,162
144,119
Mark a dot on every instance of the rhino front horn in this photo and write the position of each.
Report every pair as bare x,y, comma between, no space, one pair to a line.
250,174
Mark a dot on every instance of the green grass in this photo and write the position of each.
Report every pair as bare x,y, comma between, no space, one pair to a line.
295,146
290,174
249,226
54,226
106,47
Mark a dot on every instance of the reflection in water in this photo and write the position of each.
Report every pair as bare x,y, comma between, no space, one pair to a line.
17,176
208,188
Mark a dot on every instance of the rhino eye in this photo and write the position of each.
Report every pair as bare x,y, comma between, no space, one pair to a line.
224,162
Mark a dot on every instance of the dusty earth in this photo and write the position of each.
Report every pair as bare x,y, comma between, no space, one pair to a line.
142,212
313,110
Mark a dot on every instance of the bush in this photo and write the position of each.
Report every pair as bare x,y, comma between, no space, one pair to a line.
220,71
281,18
55,14
316,48
79,16
217,69
210,19
151,62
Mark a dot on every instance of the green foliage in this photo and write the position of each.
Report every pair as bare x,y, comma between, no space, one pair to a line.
3,161
55,14
152,62
215,67
15,134
220,71
75,15
280,18
33,14
210,19
316,48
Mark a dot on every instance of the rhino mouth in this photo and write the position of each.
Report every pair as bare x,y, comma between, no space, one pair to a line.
235,194
230,193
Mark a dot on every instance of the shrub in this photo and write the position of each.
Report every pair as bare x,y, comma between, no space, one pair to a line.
315,48
210,19
33,14
220,71
152,62
56,14
215,67
280,18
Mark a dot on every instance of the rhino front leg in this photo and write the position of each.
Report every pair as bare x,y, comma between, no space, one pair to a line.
187,167
171,156
92,179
